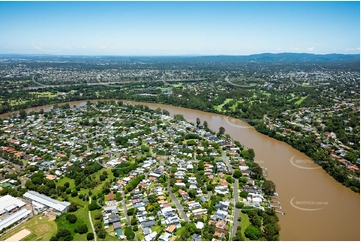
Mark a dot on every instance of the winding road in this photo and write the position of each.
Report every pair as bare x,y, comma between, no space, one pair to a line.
99,83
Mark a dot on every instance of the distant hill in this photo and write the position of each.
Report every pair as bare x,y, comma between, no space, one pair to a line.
265,57
285,57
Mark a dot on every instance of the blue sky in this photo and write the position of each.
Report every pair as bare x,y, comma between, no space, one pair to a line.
179,28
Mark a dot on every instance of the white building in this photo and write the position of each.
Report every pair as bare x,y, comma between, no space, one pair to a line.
59,207
13,218
9,203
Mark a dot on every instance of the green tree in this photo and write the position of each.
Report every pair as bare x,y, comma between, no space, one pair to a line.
198,122
22,114
271,232
82,229
243,194
237,173
73,207
251,154
239,236
205,124
64,235
239,205
71,218
90,236
98,216
166,112
130,211
158,111
129,233
269,187
93,206
102,233
252,232
221,131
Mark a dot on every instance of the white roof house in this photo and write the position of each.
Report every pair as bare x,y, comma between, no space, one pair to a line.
151,236
47,201
199,225
180,184
257,200
243,168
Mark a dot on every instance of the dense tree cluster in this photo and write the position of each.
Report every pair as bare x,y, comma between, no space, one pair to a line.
268,220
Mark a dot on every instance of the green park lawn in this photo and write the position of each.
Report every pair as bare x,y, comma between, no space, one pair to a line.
301,100
44,94
82,218
244,223
41,228
219,107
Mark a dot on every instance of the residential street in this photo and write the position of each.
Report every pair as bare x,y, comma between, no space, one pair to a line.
226,160
176,202
125,208
235,195
236,210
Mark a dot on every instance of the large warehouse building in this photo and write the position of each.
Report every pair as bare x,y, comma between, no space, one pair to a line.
13,218
59,207
11,205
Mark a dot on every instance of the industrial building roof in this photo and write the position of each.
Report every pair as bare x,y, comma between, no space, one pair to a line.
47,201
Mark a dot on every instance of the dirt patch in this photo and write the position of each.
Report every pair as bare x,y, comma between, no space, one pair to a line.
51,215
42,229
19,235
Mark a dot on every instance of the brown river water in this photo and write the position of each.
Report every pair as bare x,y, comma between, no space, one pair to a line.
316,206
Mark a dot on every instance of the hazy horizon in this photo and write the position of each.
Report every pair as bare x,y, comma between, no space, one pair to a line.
170,55
179,28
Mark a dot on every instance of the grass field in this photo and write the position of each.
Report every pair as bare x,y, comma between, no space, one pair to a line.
244,223
301,100
44,94
109,238
219,107
82,216
233,107
17,102
97,189
82,213
177,84
41,228
265,93
63,180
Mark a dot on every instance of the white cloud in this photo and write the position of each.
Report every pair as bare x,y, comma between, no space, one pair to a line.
310,49
352,49
49,48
